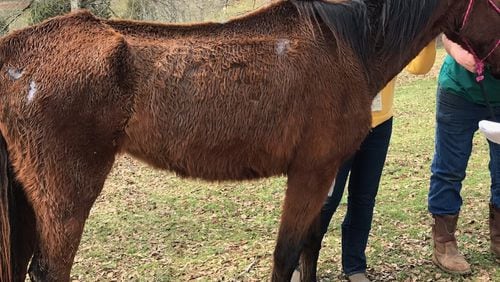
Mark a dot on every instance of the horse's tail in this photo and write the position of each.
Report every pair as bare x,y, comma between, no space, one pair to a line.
5,187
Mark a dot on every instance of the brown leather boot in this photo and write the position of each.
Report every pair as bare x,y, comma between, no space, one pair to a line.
495,230
445,250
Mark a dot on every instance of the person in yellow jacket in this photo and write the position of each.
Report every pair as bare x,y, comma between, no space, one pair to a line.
365,170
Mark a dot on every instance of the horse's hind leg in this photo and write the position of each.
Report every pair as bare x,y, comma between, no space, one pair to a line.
60,225
61,203
23,235
305,195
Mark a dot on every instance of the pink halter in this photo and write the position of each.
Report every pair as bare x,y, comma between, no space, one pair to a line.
479,62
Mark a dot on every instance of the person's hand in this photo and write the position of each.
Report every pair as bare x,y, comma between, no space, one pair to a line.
462,56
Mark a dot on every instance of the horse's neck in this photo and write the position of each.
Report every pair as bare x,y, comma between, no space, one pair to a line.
391,57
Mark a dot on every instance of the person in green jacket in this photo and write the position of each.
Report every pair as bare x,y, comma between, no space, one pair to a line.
460,107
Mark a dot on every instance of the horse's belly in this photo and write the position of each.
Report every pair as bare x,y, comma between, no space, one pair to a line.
226,136
230,162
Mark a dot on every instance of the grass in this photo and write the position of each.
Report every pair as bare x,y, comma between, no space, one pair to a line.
240,8
9,11
149,225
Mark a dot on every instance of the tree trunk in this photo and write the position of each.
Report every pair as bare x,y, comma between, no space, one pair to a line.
75,5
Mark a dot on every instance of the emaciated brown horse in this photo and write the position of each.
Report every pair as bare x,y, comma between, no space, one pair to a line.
284,90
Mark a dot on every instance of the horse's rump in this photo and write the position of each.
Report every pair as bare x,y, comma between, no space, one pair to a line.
65,74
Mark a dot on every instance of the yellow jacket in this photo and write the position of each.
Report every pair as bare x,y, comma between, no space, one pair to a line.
382,106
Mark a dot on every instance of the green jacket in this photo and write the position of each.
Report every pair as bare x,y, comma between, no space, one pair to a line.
455,79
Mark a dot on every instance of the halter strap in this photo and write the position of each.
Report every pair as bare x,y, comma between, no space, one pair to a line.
467,13
469,9
494,5
479,61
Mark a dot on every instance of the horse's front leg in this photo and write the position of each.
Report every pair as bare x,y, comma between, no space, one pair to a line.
312,245
310,251
305,195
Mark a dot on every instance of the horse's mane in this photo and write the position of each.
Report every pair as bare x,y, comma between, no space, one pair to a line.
359,23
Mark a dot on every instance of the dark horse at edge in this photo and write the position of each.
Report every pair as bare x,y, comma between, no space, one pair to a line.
284,90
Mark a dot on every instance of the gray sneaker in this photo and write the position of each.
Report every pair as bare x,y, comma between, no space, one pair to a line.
295,276
358,277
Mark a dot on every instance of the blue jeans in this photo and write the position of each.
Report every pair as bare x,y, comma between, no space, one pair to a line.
456,122
365,169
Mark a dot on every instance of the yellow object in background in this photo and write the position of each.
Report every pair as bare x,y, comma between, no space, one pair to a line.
382,108
382,105
423,62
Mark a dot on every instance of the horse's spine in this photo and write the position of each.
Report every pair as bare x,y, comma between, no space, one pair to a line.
5,244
